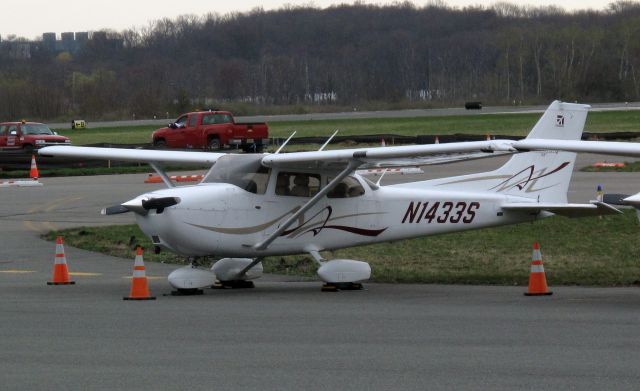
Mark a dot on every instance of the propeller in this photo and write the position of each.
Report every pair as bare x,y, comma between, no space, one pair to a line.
142,205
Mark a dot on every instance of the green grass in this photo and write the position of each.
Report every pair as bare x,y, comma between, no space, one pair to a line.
119,135
592,251
506,124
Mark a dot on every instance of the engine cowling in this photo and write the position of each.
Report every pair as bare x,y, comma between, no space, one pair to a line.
190,277
227,269
344,270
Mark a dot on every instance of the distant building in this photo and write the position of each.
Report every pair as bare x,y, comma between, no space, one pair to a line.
69,42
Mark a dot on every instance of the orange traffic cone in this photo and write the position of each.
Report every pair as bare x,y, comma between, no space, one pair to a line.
382,143
33,173
60,271
488,138
139,285
537,279
437,140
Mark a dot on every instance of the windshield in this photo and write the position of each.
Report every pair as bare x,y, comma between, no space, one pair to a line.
36,129
244,171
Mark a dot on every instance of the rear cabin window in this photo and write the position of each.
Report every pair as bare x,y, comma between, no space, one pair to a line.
193,120
296,184
3,130
211,119
349,187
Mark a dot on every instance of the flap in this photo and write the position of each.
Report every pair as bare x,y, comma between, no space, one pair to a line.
595,208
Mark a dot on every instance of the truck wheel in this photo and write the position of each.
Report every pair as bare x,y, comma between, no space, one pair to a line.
160,143
28,148
214,144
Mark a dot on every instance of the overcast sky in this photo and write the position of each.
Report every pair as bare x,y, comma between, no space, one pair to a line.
31,18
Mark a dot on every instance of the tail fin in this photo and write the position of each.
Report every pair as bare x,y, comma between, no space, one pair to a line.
543,175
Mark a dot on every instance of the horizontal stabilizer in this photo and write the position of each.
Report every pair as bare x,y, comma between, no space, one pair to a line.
595,208
633,200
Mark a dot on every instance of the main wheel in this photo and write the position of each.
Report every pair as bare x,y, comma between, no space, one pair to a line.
213,144
160,143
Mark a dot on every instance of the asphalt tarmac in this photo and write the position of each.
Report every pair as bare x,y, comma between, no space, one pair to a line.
285,334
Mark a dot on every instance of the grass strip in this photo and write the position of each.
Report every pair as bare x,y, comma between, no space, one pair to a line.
513,124
590,251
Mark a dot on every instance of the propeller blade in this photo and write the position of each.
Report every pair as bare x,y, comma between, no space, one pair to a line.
114,210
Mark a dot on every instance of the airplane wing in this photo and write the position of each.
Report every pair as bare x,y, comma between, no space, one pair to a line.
390,156
132,155
602,147
595,208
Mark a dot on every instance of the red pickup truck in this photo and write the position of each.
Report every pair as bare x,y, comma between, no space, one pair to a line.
212,130
28,136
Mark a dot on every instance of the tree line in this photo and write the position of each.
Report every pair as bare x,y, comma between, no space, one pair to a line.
344,56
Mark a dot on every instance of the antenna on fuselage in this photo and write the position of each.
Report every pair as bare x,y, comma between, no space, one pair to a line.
329,140
285,143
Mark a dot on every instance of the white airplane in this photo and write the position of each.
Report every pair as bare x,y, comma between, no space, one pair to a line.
251,206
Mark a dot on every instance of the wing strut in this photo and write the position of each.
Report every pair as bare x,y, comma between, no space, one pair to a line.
351,167
249,266
162,174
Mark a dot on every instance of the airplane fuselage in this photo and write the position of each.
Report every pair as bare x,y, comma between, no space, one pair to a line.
224,220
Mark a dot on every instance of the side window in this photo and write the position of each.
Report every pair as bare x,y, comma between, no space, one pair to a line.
256,182
208,119
296,184
193,120
3,130
13,130
181,122
223,118
348,188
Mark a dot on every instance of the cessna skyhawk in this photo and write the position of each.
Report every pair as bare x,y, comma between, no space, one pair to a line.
251,206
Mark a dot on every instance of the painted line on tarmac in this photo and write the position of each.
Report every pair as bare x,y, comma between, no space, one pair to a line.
40,226
148,277
18,271
28,224
52,205
84,274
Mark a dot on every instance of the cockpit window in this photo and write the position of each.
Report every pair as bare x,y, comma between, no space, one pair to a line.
244,171
348,187
297,184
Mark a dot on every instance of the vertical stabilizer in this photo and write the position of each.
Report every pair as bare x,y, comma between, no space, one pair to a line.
542,175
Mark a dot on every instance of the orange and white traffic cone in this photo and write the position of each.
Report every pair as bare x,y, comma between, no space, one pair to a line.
537,278
139,285
33,172
382,143
60,271
437,140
